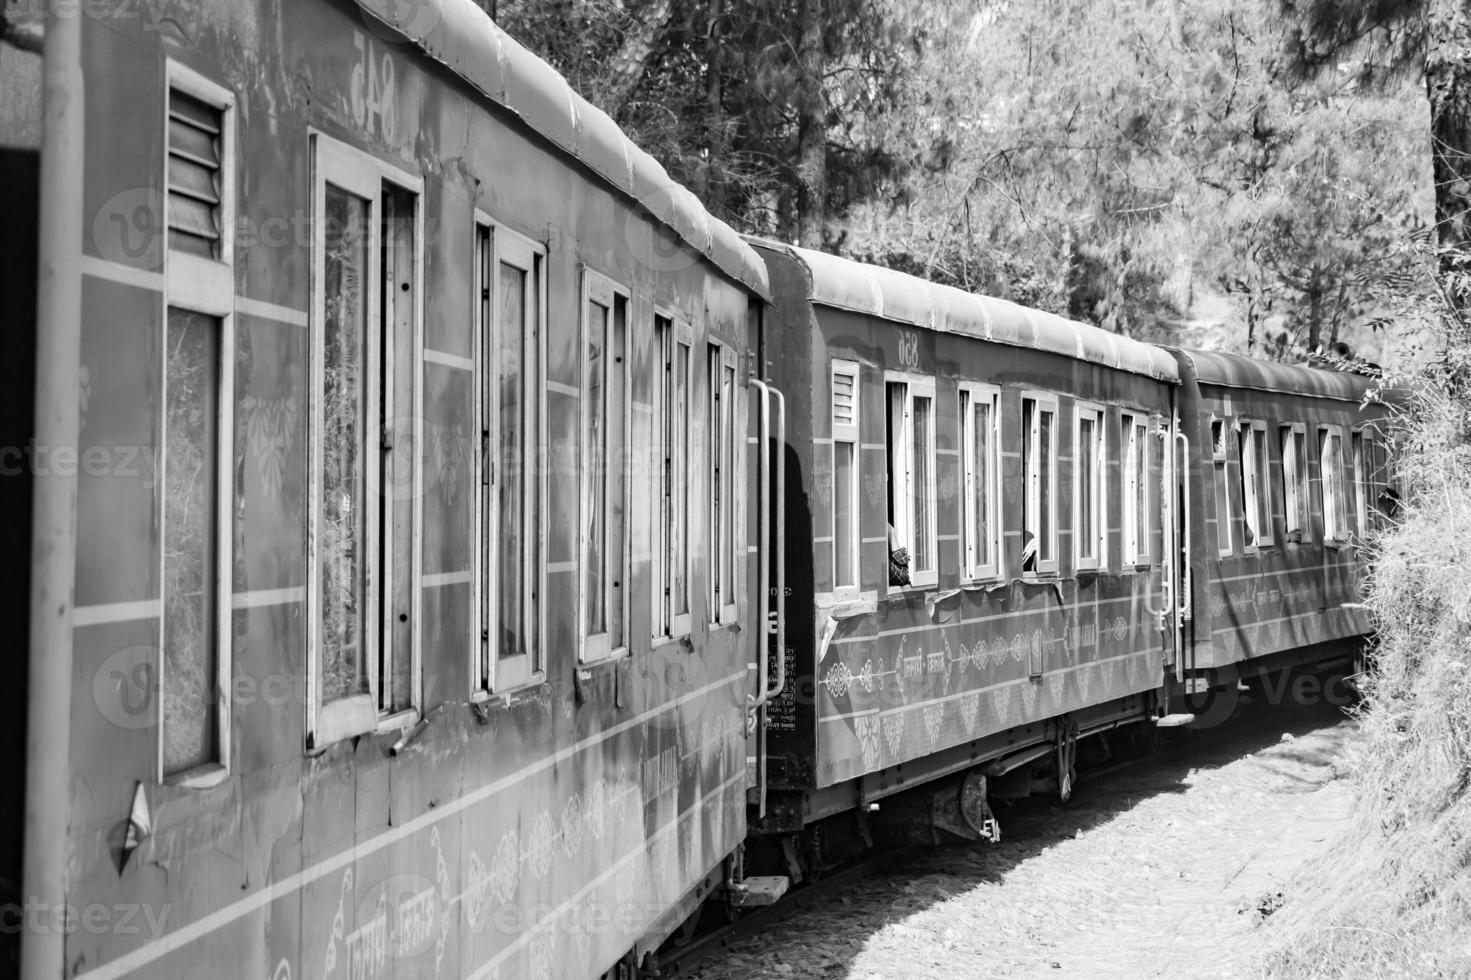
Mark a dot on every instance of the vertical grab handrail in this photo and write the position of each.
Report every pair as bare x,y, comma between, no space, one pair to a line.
763,576
781,545
1167,511
1185,612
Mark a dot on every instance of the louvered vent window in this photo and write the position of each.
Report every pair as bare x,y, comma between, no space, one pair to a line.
843,401
194,175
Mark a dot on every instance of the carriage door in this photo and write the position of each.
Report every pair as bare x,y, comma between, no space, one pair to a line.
1183,523
766,663
1175,525
1169,508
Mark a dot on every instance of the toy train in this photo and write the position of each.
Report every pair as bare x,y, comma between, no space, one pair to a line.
457,554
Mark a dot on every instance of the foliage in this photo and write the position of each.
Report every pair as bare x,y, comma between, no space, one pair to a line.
1392,898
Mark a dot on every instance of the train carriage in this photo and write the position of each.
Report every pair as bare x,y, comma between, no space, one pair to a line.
1288,470
407,640
966,431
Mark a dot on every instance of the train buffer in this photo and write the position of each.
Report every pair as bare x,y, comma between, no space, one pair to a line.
759,890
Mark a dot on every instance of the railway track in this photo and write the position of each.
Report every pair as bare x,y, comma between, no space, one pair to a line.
682,961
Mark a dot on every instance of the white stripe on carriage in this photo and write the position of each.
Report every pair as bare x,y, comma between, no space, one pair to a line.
875,540
270,311
268,597
116,612
446,359
490,966
561,567
436,579
991,687
1274,573
874,446
1011,614
185,935
126,275
571,391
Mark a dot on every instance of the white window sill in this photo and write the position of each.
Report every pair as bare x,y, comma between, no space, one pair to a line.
207,776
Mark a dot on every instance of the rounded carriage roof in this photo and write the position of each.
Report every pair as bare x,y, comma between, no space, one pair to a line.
1239,371
463,38
876,291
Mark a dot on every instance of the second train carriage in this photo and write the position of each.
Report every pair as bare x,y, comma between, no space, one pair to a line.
1020,460
1287,476
1097,531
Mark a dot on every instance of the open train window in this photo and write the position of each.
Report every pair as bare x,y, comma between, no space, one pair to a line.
670,447
1256,489
1220,454
1134,430
911,465
197,433
365,358
510,317
720,474
1090,526
1363,456
1295,507
846,476
605,408
1335,496
1039,475
980,457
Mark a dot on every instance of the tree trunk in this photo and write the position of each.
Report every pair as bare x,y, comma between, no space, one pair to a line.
811,128
627,66
714,115
1448,86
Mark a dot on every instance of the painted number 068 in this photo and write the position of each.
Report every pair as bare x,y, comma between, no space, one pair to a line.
374,101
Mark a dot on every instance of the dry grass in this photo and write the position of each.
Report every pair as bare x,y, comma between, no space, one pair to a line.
1393,897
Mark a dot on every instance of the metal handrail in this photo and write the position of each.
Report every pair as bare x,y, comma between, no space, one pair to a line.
763,577
781,545
1185,611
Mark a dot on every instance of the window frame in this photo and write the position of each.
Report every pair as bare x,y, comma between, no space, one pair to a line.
196,284
847,433
361,174
915,386
1361,442
1135,427
1342,534
970,394
721,554
1221,474
668,342
1082,411
1044,402
593,648
1260,499
492,675
1296,499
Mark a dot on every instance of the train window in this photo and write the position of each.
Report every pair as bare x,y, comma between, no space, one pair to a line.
980,454
198,426
720,471
911,465
510,316
1135,430
1220,453
1335,498
365,362
1363,452
671,449
1039,470
604,505
1293,443
1256,489
1090,526
846,476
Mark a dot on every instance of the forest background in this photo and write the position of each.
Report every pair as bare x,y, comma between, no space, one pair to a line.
1160,168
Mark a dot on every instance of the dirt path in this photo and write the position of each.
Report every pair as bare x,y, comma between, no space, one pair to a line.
1158,870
